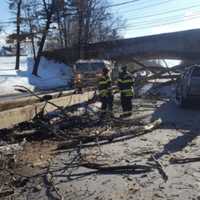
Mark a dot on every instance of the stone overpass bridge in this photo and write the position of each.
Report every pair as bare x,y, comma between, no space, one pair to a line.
184,45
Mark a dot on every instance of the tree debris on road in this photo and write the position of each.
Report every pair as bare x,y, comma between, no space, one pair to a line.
46,156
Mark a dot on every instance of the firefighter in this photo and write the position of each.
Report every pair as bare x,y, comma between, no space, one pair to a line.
105,92
125,84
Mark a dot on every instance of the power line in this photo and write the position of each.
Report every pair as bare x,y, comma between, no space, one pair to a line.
155,20
147,6
164,13
149,22
142,25
162,24
130,2
122,3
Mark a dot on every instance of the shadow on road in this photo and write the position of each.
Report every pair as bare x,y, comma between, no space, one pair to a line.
178,118
186,121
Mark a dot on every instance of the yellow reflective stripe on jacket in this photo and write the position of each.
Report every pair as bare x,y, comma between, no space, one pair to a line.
104,86
104,82
103,93
125,81
128,92
127,112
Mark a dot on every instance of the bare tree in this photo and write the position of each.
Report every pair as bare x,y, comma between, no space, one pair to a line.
85,21
29,20
94,23
16,5
48,8
66,23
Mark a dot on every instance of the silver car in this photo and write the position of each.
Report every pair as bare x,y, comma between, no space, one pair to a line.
188,86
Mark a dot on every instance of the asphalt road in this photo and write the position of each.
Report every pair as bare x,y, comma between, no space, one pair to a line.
177,137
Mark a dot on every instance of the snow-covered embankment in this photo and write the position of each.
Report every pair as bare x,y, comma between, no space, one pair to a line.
51,75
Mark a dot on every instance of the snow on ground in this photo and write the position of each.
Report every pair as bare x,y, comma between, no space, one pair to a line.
51,75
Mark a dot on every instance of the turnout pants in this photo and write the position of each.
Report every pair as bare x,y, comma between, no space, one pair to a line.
107,103
126,103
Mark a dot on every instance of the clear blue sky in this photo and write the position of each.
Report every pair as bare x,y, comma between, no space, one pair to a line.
4,11
5,15
139,15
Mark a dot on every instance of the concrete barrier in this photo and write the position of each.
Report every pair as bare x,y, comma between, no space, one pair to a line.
6,104
11,117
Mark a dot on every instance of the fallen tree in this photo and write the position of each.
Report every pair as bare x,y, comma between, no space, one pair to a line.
111,135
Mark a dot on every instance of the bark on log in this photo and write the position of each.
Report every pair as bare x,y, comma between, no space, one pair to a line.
184,160
111,135
101,168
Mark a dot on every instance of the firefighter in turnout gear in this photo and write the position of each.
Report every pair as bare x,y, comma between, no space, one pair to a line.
105,92
125,84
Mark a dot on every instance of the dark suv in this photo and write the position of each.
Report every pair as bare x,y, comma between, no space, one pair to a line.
188,86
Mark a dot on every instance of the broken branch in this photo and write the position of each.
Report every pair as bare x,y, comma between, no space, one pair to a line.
111,135
160,168
184,160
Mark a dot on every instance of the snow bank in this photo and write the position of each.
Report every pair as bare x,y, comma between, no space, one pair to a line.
8,63
51,75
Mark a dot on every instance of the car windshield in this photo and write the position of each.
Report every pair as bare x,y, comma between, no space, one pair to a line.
89,67
196,72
